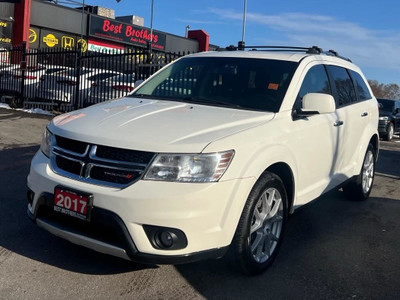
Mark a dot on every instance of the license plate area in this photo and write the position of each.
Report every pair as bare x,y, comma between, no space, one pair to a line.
72,203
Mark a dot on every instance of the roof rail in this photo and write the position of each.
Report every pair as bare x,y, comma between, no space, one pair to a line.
335,53
307,50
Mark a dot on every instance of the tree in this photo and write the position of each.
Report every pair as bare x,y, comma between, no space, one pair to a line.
380,90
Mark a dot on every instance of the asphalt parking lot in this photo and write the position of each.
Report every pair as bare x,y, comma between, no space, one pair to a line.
333,248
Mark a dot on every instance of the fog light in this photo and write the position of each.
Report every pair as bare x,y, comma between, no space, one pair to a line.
166,239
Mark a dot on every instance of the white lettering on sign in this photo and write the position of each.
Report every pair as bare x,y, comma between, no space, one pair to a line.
97,48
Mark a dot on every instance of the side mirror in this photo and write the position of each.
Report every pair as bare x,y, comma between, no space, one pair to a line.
138,82
316,103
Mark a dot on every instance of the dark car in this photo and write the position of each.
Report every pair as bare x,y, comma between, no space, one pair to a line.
389,118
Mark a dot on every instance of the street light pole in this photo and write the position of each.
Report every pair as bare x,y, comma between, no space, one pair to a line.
82,18
151,22
187,31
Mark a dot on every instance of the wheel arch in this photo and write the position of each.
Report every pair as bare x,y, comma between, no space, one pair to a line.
374,141
285,173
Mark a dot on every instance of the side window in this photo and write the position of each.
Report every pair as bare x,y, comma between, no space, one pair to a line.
361,87
316,81
345,93
397,107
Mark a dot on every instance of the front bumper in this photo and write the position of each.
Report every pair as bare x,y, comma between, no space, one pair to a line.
207,214
383,126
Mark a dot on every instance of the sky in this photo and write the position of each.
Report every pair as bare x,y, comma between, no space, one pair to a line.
366,31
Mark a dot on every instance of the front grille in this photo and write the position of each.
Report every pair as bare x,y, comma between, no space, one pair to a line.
124,155
71,145
98,164
68,165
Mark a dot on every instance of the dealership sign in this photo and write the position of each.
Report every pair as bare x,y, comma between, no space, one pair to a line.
125,33
5,32
96,46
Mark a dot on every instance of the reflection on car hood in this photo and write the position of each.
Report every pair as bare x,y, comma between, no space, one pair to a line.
155,125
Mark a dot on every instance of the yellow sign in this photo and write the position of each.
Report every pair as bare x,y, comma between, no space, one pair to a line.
50,40
67,42
32,36
5,40
84,45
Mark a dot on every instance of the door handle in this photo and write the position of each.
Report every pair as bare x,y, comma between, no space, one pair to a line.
364,114
338,123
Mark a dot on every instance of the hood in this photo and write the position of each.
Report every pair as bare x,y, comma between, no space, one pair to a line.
385,113
155,125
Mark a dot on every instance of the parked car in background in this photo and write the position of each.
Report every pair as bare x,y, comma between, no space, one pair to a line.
62,86
11,78
111,88
389,118
7,81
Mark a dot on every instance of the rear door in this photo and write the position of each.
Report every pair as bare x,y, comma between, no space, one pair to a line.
353,117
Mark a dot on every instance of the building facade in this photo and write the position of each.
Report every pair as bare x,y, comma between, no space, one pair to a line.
47,25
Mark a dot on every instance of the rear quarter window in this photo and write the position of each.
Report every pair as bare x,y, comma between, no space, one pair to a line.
360,86
345,93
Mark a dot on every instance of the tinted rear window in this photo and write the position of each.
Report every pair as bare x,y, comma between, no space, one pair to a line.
361,87
344,86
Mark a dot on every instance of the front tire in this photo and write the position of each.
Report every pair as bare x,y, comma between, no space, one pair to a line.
360,187
260,230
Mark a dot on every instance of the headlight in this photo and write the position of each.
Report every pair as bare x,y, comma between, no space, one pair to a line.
189,167
46,143
384,118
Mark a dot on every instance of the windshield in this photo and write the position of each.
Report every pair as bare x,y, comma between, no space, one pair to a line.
386,105
256,84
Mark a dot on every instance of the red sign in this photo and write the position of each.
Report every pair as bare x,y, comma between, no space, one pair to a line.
125,33
71,203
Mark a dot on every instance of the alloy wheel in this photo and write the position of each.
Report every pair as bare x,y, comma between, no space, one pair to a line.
368,172
266,225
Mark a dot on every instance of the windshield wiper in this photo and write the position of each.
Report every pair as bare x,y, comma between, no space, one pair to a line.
211,102
140,96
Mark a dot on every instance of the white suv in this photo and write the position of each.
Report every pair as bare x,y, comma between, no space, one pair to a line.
211,153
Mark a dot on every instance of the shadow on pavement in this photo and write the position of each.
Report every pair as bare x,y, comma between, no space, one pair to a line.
19,235
388,158
332,247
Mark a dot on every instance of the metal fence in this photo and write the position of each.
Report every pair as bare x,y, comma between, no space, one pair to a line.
65,80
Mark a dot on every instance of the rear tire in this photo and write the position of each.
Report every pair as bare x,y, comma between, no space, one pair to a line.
390,132
360,187
260,230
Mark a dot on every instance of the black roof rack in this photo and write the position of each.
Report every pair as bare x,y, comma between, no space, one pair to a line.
335,53
307,50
